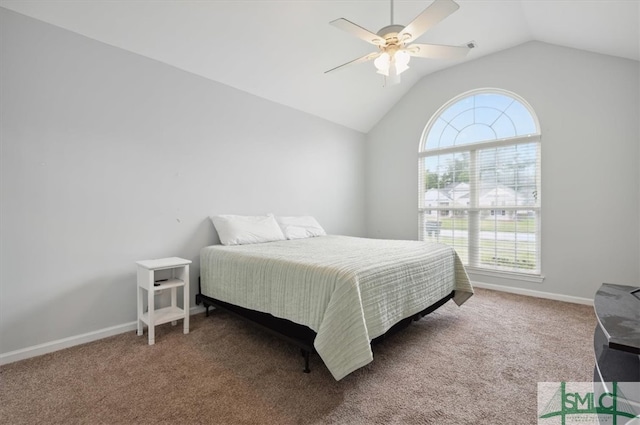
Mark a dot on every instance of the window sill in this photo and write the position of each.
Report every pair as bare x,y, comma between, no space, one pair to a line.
535,278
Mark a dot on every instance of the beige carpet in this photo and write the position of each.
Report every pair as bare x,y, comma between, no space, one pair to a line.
477,364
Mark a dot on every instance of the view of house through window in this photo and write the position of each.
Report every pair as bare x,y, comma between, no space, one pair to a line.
479,187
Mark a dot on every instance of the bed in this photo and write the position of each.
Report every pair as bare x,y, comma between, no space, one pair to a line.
332,294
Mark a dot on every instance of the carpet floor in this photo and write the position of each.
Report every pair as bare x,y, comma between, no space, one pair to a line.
475,364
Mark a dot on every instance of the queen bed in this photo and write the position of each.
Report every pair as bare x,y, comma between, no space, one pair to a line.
332,294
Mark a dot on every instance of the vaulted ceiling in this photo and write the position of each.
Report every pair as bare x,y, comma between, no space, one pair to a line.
279,50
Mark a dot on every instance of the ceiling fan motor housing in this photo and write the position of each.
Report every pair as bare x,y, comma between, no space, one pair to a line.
391,32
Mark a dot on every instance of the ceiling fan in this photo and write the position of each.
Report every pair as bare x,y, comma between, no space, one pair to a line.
394,42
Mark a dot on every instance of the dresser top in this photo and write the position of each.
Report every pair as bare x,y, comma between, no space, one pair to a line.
617,308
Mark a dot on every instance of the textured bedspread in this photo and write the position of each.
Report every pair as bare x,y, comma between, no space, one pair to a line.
348,290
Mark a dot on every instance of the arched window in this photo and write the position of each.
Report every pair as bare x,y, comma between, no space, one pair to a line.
479,187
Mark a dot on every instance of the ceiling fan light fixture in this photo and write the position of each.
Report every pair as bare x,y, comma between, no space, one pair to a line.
392,64
395,42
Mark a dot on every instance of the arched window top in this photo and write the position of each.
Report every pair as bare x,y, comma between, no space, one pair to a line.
480,116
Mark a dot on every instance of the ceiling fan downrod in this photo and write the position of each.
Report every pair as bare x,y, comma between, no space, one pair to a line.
391,12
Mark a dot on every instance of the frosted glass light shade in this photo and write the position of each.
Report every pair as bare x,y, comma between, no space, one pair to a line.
401,58
382,63
389,66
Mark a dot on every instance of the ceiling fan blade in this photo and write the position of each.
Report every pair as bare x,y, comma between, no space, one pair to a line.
438,51
358,31
364,58
436,12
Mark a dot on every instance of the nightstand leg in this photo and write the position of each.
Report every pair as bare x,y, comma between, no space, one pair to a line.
174,303
185,299
151,311
140,311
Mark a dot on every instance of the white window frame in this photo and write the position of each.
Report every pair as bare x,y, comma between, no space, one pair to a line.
474,211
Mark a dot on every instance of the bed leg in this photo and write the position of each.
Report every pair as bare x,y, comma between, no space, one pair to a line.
206,310
305,354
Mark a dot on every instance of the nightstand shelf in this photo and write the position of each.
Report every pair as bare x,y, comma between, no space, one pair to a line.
164,315
170,283
175,274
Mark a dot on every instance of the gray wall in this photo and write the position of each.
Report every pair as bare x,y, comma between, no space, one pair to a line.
588,109
109,157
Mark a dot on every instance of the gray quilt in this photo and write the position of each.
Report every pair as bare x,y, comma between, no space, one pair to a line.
348,290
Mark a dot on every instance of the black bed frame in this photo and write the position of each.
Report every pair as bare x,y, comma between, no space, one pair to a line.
297,334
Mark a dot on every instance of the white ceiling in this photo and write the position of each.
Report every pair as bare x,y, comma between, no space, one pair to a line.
279,50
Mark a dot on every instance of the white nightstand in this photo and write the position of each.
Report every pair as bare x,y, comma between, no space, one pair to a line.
176,274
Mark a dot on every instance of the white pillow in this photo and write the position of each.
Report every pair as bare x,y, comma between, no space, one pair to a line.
300,227
243,229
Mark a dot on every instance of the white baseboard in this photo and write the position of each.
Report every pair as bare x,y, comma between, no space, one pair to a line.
532,293
50,347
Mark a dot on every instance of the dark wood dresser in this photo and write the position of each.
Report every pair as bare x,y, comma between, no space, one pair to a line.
616,340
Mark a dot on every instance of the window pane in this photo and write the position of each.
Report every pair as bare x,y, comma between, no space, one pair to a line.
447,227
462,120
507,176
446,180
433,138
521,118
475,133
487,115
462,105
493,100
504,127
448,137
508,241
